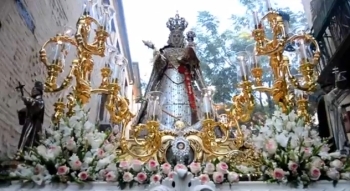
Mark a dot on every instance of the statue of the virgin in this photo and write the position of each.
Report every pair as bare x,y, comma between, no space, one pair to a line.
177,75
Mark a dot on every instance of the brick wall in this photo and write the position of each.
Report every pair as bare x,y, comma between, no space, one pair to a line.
19,58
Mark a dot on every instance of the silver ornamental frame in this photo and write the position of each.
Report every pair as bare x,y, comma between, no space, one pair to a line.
181,153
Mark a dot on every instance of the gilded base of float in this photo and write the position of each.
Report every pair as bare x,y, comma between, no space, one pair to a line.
246,155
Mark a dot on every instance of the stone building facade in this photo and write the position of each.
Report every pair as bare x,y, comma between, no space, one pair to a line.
25,26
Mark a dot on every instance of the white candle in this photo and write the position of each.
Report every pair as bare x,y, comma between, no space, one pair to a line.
256,63
302,50
256,19
243,67
154,109
206,104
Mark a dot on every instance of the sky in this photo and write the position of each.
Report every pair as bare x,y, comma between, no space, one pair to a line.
146,20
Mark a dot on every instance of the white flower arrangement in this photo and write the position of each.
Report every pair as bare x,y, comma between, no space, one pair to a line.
152,172
293,153
77,152
74,152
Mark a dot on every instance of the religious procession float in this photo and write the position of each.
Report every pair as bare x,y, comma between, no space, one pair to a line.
178,141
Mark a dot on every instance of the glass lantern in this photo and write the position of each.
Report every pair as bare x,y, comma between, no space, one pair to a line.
207,102
243,60
87,6
104,13
154,107
110,53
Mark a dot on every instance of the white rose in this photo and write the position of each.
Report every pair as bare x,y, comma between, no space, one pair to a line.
209,168
345,176
136,165
333,174
317,162
195,167
232,177
109,147
127,177
337,164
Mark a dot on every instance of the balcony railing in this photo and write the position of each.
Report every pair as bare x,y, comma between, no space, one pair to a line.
331,29
321,11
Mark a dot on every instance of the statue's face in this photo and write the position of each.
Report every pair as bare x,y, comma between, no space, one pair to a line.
35,92
176,38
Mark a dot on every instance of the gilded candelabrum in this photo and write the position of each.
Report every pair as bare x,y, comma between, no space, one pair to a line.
77,82
275,48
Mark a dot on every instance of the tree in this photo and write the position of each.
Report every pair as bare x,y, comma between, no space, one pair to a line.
214,50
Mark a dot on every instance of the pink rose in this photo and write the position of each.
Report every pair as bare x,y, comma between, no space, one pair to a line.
75,164
278,174
204,178
292,166
111,177
100,153
136,165
152,165
124,165
127,177
166,168
307,152
171,174
209,168
62,170
218,177
156,178
141,177
71,144
314,173
232,177
222,167
83,175
180,166
271,146
195,167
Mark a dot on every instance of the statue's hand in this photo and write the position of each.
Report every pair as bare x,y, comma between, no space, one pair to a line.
149,44
27,100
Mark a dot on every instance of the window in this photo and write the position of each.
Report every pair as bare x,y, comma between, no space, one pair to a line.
113,29
24,13
106,2
126,88
118,47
